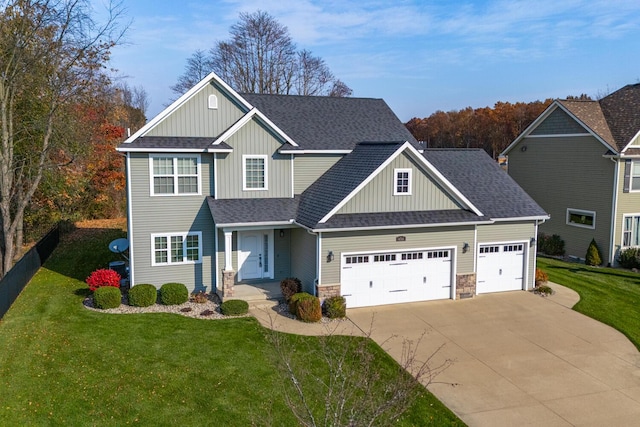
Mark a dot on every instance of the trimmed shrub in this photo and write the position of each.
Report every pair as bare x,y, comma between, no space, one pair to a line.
550,245
234,307
593,256
308,310
630,258
143,295
107,297
295,298
173,294
335,307
541,277
200,298
103,277
289,287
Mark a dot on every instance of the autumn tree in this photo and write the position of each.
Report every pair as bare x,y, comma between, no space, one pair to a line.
52,55
261,57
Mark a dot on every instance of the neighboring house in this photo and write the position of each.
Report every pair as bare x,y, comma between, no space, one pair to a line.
226,188
580,160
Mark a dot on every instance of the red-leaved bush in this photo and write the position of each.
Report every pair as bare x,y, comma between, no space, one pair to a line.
103,277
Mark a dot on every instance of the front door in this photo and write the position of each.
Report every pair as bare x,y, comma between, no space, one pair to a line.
254,254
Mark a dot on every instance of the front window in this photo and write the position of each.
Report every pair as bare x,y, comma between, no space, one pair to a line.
630,235
581,218
175,175
179,248
635,175
402,182
254,172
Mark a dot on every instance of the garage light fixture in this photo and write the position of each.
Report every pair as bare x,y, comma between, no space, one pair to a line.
465,247
532,242
330,256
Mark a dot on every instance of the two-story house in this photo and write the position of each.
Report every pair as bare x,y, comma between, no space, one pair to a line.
580,160
226,188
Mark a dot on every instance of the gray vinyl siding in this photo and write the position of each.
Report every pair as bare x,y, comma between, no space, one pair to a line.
502,232
627,203
567,172
194,118
377,195
170,214
309,167
558,123
384,240
303,258
253,139
282,254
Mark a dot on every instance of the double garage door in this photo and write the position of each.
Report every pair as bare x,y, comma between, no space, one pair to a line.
396,277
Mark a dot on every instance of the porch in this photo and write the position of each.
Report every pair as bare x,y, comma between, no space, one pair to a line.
254,292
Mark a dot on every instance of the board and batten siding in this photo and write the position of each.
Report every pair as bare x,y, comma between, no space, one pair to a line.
170,214
385,240
309,167
567,172
377,195
194,118
559,123
627,203
282,254
516,232
253,139
303,258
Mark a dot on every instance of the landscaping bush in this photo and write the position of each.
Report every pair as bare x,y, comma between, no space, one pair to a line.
295,298
541,277
143,295
630,258
289,287
550,245
234,307
308,310
103,277
107,297
335,307
200,297
174,294
593,256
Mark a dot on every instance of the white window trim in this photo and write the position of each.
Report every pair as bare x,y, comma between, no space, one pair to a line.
581,212
175,174
395,181
625,216
631,175
184,248
246,157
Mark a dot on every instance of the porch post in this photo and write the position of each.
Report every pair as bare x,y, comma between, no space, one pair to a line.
228,275
228,246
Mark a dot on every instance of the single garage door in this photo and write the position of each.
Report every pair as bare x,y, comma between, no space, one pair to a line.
500,267
396,277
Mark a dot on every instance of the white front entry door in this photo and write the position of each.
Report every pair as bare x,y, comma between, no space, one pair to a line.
255,249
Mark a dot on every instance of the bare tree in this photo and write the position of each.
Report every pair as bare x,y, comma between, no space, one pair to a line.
197,68
51,59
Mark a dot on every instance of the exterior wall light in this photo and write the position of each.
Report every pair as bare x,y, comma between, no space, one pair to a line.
532,242
330,256
465,247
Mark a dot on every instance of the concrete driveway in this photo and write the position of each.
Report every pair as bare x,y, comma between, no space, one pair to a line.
520,359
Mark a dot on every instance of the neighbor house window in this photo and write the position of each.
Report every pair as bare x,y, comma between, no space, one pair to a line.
635,175
254,171
581,218
402,182
630,236
177,248
175,175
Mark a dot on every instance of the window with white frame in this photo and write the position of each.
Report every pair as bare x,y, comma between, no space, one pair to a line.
630,226
635,176
175,174
402,182
581,218
254,172
177,248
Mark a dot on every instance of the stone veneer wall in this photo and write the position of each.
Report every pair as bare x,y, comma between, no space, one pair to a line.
325,291
465,285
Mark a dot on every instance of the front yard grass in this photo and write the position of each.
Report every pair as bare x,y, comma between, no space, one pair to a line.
63,364
611,296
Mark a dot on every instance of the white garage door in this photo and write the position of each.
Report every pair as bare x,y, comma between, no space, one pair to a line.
500,267
395,277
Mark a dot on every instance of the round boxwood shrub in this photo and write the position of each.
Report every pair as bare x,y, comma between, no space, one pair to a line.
629,258
173,294
234,307
335,307
107,297
143,295
309,310
295,298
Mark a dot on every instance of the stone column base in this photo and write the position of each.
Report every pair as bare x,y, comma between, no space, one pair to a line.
228,282
325,291
465,285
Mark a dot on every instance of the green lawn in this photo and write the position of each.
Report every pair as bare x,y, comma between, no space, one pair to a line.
609,295
63,364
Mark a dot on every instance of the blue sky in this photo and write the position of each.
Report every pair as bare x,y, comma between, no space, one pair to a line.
420,56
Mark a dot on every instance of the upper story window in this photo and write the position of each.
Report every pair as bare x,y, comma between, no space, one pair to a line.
175,174
254,172
180,248
402,185
635,175
580,218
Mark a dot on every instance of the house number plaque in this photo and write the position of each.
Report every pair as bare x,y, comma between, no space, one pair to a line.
401,239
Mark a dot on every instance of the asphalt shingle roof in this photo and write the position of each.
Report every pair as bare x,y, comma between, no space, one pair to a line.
174,142
330,123
244,211
382,219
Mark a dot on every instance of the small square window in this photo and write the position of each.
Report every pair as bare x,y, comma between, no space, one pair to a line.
402,182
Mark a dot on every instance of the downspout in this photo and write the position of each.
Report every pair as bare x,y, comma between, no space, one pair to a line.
130,221
614,212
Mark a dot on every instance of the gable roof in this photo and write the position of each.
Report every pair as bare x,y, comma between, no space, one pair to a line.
590,114
622,111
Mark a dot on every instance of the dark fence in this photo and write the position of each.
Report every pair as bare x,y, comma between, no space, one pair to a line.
17,278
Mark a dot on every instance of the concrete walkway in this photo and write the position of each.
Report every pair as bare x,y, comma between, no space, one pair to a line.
519,359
